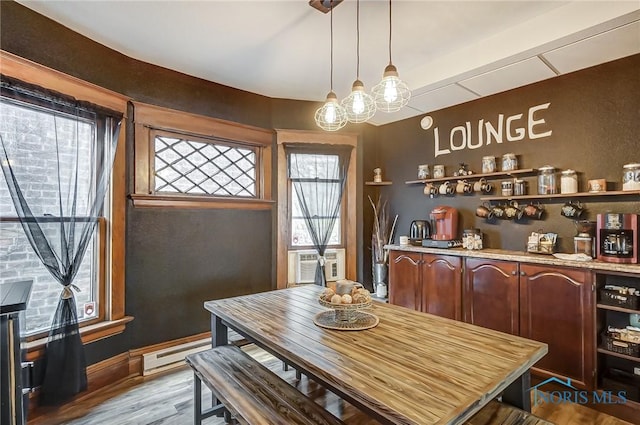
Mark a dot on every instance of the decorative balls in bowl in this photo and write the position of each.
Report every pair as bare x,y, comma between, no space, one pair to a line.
356,297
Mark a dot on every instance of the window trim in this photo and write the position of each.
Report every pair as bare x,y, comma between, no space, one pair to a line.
349,201
150,118
114,320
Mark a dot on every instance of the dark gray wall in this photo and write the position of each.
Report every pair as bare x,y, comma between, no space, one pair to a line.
594,119
176,258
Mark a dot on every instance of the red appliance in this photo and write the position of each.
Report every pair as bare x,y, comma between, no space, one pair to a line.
445,223
617,237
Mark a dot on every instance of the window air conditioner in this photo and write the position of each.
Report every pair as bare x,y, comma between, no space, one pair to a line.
305,263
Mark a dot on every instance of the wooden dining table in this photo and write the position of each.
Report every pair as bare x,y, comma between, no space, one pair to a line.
411,368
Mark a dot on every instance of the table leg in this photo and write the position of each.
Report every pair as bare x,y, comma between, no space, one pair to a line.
219,332
517,393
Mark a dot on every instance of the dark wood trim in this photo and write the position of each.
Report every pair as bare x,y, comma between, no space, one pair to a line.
183,201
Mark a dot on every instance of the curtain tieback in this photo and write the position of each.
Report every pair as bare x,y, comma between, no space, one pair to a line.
66,291
321,260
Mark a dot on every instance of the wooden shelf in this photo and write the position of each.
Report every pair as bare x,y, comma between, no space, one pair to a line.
614,308
563,195
614,354
378,183
475,176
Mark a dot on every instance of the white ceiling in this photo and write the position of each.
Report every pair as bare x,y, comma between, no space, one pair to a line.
448,52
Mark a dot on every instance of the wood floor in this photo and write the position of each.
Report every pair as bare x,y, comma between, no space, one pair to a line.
167,400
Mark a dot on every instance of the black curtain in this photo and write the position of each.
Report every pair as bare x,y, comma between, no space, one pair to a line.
77,141
318,174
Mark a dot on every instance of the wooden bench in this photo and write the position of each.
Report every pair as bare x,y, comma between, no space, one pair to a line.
496,413
255,395
250,392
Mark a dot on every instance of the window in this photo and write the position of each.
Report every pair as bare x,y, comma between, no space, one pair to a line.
345,231
199,162
298,230
183,165
18,261
101,278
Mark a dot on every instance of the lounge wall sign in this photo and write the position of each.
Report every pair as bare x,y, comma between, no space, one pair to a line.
511,129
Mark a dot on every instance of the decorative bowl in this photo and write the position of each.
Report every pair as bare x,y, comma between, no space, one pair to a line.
345,312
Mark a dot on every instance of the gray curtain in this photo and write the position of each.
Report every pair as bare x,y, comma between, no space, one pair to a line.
70,136
318,174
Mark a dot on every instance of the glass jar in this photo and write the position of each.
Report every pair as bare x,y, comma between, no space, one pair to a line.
423,171
472,239
547,180
507,188
631,177
519,187
568,181
438,171
488,164
509,162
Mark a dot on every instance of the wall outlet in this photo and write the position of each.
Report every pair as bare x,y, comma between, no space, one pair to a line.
636,371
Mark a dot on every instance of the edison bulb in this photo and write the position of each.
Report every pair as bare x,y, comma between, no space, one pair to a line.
330,114
390,90
358,103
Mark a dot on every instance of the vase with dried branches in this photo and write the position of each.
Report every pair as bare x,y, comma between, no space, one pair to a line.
382,234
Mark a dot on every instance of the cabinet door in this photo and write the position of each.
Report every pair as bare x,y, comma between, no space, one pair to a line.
556,307
404,279
491,294
442,285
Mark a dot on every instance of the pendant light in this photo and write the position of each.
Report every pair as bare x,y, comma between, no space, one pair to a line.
331,116
359,105
391,93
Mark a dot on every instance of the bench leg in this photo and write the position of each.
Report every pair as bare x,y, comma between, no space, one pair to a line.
197,400
285,367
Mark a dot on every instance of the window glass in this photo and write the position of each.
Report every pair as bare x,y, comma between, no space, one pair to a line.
18,261
325,180
202,168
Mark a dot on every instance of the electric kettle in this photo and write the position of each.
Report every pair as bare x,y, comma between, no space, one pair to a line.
420,229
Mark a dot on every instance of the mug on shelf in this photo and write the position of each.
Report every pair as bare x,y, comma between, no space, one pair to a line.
430,190
484,211
498,211
512,211
534,211
482,186
464,186
446,188
571,210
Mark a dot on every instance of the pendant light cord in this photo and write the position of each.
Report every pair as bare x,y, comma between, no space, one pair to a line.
389,32
357,39
331,61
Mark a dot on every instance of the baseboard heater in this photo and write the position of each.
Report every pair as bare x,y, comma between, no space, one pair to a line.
168,358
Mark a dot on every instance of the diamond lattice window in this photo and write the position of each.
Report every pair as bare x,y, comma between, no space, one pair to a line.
204,168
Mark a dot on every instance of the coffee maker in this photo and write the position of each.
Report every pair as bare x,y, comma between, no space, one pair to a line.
618,237
445,223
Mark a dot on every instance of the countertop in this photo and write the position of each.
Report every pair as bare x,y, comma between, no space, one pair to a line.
521,256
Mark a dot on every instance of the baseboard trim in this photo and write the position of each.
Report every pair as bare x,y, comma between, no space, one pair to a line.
109,372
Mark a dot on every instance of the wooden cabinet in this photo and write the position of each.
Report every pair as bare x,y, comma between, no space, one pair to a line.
550,304
405,279
491,294
442,285
557,307
426,282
